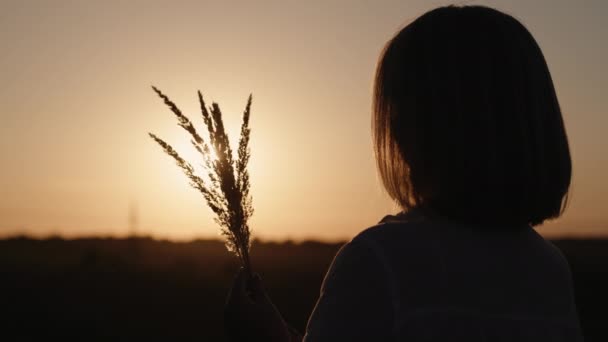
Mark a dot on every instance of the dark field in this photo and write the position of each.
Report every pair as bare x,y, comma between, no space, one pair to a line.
141,289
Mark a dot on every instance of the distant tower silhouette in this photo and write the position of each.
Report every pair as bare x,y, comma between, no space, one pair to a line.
133,219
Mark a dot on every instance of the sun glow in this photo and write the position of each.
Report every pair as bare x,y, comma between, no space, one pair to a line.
192,156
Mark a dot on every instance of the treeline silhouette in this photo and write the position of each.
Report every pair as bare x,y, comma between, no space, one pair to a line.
143,289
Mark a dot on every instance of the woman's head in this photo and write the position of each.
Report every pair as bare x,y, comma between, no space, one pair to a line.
466,121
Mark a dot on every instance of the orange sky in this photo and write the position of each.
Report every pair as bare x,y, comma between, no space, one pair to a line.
76,104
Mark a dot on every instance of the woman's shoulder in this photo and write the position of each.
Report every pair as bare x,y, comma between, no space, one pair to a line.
399,229
411,234
373,243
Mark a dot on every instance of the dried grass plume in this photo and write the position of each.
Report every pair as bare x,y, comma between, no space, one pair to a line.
225,186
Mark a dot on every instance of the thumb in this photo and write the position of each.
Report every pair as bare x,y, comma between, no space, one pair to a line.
257,288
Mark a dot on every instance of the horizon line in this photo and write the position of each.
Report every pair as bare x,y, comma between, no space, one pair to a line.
42,237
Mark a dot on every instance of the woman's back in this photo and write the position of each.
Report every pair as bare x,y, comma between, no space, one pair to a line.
467,130
438,281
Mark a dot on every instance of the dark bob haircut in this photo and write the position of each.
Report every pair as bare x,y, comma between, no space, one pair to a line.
466,121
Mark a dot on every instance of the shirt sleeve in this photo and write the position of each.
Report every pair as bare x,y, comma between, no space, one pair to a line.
355,300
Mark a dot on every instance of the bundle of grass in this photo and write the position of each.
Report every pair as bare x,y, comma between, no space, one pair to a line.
225,186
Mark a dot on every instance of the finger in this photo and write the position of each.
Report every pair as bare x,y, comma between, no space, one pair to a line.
240,281
238,291
256,283
257,288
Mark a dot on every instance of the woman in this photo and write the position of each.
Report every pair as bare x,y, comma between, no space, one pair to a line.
470,142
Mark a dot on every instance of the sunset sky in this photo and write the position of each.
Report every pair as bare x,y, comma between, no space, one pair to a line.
76,106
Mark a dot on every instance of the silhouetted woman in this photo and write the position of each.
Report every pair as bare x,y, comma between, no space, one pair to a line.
470,142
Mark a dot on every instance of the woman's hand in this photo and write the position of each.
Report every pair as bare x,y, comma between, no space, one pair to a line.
250,315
